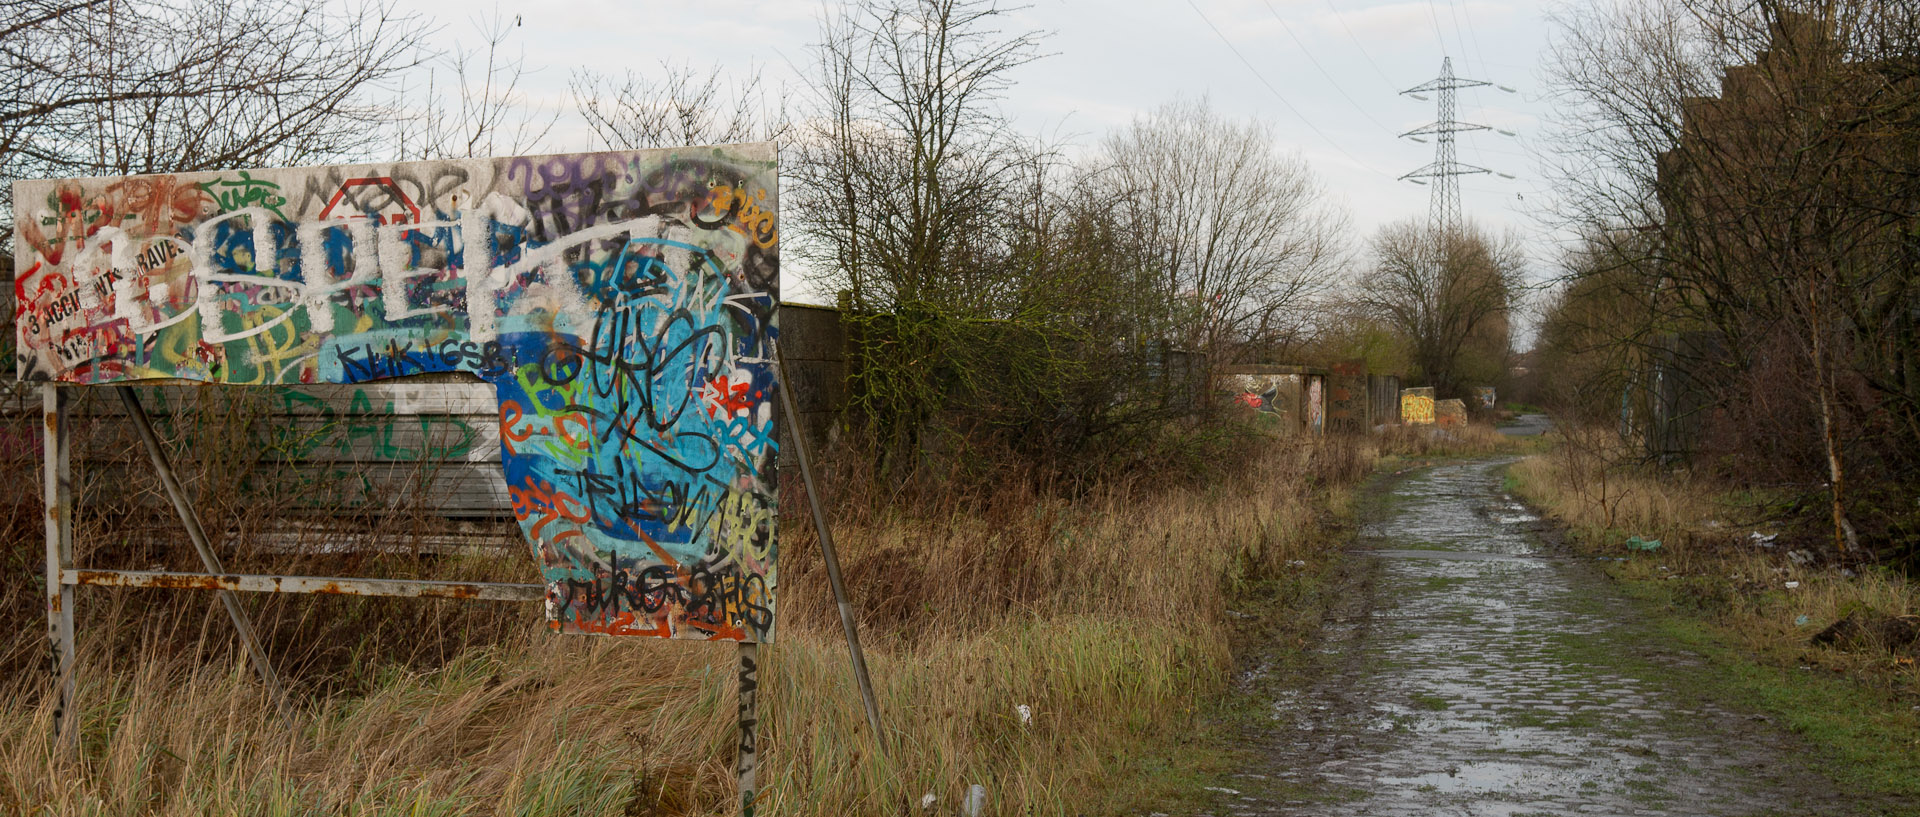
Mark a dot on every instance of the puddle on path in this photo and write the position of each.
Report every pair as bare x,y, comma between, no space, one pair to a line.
1475,675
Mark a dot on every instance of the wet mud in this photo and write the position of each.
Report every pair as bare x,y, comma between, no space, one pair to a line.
1470,667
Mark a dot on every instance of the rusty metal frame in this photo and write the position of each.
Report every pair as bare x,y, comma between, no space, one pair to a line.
63,576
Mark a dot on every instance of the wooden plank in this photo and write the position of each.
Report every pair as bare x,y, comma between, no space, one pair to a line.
384,398
454,489
450,488
416,438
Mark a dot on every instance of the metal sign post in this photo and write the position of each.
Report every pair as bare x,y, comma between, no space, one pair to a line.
59,499
847,623
749,756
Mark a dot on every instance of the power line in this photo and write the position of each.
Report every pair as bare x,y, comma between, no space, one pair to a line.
1438,35
1465,9
1276,92
1457,9
1459,35
1321,68
1356,43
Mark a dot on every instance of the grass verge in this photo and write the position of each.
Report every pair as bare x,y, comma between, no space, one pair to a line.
1105,616
1815,644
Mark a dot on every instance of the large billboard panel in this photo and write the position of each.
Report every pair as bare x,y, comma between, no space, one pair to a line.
622,305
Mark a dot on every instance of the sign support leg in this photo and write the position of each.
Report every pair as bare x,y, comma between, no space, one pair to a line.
798,439
58,473
190,519
749,758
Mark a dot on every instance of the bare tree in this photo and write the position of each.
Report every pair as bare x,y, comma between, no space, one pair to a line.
679,106
139,86
905,163
1597,328
1448,294
1770,146
1236,239
912,200
470,103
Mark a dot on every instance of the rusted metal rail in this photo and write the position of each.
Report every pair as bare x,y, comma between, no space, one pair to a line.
324,585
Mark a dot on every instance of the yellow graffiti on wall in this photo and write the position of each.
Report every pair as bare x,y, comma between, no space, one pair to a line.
1416,409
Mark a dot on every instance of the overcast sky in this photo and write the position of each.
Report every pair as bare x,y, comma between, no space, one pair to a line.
1325,75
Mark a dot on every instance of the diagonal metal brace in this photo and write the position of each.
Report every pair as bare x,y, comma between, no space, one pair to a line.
798,438
190,519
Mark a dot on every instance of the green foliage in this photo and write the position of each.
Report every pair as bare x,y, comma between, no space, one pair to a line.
927,368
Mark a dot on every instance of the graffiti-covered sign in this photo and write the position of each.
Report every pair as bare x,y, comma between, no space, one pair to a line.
620,304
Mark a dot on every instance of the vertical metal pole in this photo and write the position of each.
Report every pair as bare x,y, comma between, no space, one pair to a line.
749,759
190,519
798,439
58,473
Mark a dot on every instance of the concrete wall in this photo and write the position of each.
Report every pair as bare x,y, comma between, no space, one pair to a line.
1485,398
813,343
1314,405
1273,396
1294,398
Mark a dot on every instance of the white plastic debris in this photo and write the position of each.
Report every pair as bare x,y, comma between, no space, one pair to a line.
927,801
1792,585
1026,714
1221,789
1800,557
1764,540
976,801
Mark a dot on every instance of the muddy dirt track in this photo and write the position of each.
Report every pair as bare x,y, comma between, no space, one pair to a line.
1468,668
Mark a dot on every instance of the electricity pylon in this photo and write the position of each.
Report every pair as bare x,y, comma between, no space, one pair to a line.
1446,169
